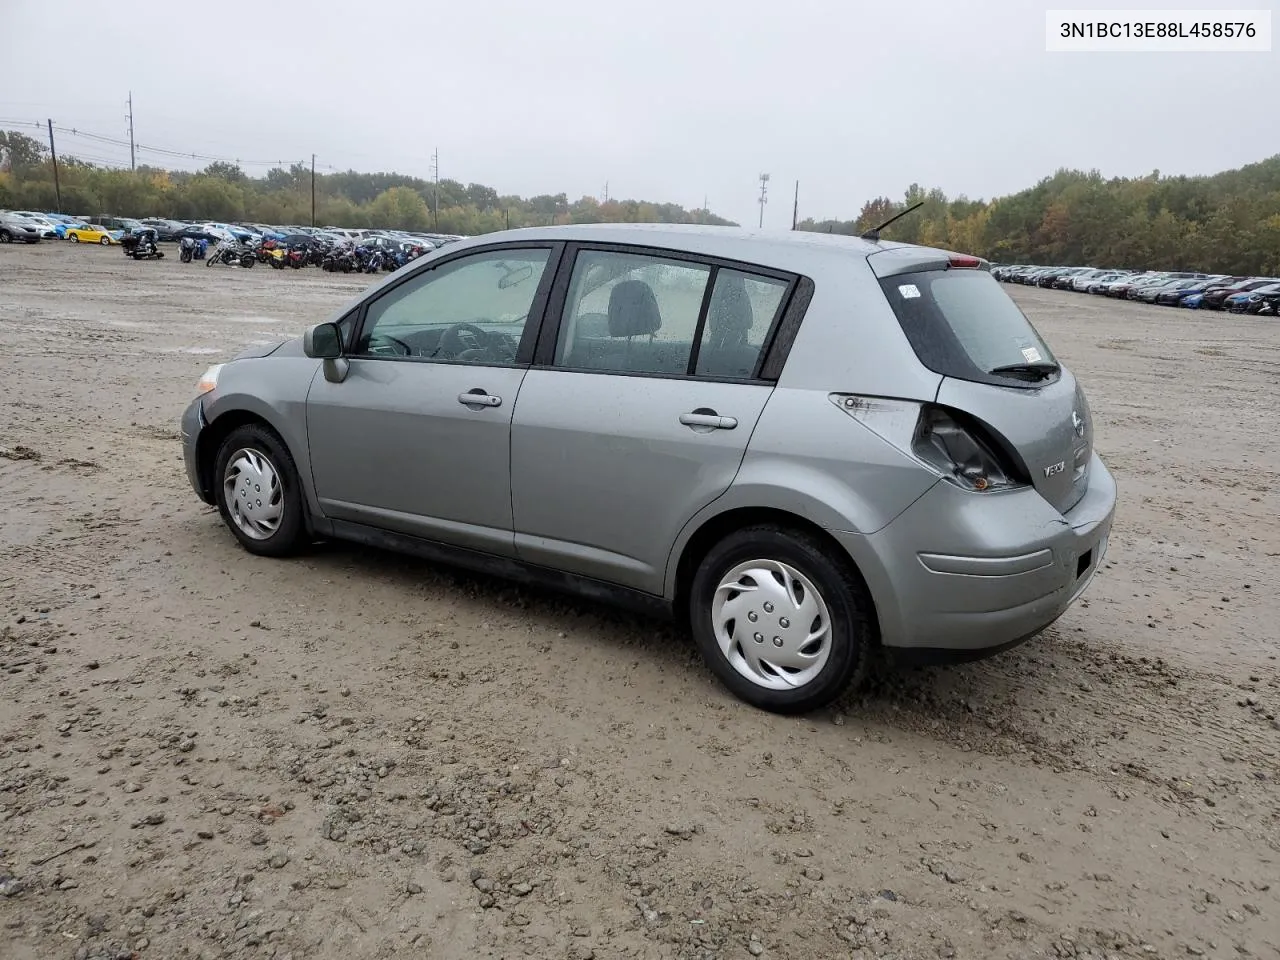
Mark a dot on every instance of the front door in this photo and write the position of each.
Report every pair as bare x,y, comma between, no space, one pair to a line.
417,437
627,431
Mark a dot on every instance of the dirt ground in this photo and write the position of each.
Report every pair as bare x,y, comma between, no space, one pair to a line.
354,754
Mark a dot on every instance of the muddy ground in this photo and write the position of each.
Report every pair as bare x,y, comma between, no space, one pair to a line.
354,754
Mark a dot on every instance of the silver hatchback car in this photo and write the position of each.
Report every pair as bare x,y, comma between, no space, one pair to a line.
809,446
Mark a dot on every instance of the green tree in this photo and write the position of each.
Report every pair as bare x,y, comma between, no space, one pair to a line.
400,208
21,151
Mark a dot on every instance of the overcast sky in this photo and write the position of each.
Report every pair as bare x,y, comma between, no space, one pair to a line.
675,101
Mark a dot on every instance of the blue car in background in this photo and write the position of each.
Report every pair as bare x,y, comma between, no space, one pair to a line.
1240,302
60,223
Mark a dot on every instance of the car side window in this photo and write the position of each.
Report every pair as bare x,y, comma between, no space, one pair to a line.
471,310
631,313
740,314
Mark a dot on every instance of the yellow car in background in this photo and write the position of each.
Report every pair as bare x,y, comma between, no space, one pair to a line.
89,233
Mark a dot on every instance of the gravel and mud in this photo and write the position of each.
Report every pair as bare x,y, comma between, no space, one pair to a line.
358,755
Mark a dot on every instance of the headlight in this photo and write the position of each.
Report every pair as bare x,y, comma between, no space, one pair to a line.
208,380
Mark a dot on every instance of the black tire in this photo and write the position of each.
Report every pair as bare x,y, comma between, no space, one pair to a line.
5,237
74,237
849,606
291,533
247,260
185,256
211,261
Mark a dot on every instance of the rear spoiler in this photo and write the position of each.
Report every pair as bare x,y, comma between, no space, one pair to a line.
910,259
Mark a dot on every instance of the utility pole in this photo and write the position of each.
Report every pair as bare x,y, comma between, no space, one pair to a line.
764,190
133,157
606,191
435,174
57,188
795,207
313,189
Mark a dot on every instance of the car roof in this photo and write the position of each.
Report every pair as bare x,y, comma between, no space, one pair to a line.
792,249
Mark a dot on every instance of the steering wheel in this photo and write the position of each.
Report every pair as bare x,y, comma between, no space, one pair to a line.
460,338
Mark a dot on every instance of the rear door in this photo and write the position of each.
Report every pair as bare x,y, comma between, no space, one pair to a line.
637,412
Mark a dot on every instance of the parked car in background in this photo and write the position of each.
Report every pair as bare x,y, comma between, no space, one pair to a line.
1081,283
1241,302
15,228
1173,294
1147,293
1121,288
93,233
468,409
231,231
1066,281
1216,298
61,222
1267,302
116,225
166,230
196,233
47,228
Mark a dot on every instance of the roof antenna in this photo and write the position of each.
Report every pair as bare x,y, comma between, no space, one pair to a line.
874,233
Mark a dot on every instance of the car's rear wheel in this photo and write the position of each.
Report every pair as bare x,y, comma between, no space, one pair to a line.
73,237
258,492
783,621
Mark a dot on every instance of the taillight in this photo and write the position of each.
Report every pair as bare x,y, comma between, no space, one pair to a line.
959,261
960,453
954,446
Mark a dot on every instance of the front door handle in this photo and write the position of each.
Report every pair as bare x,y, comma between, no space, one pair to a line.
707,418
478,398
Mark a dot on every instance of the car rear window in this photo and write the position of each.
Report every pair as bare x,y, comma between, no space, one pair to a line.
962,324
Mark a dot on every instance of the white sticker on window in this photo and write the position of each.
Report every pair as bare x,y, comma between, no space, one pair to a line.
1031,354
909,291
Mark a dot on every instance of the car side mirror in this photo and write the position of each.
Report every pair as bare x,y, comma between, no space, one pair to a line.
323,342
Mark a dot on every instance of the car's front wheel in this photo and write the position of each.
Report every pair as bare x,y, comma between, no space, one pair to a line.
784,622
258,492
105,241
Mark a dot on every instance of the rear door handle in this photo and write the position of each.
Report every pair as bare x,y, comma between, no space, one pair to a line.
478,398
700,418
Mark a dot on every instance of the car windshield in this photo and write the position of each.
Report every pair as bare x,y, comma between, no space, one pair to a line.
962,324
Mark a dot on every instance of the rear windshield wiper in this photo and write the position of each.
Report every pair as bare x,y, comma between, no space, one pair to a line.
1037,371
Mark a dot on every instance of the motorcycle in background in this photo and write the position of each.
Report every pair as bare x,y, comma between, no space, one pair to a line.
231,252
190,248
141,245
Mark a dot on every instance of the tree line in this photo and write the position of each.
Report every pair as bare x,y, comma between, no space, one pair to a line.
1227,223
224,192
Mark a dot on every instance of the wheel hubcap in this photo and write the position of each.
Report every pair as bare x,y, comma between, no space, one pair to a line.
255,499
772,624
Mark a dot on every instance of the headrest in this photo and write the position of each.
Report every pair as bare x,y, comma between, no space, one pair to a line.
633,310
729,315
